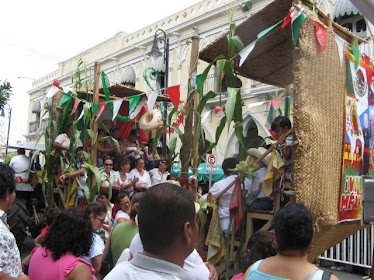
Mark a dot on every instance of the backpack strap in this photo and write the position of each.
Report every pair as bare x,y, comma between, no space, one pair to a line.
326,275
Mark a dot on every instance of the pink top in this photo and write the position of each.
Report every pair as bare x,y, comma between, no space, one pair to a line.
43,267
236,277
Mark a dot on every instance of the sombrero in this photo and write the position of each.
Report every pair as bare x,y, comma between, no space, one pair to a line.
150,121
257,153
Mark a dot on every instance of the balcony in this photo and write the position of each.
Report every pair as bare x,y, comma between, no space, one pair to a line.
33,127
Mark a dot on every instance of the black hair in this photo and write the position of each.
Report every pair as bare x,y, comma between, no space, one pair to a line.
285,122
133,131
138,159
51,215
104,192
120,196
97,208
136,198
71,232
163,211
37,166
134,211
100,131
275,123
113,129
68,126
261,246
21,151
293,225
6,180
229,163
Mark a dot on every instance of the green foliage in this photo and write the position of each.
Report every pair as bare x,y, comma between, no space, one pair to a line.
7,159
5,93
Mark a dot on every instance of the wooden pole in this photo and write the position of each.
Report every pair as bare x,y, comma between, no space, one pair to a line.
190,112
97,73
195,56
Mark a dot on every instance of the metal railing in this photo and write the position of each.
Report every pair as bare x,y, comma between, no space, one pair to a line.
33,126
355,250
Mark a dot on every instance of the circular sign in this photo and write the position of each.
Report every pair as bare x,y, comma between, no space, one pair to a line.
211,160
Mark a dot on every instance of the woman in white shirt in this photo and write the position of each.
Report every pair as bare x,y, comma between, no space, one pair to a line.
124,205
160,174
126,181
144,180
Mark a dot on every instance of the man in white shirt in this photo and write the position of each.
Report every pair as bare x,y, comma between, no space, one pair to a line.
62,141
10,260
169,232
20,164
218,187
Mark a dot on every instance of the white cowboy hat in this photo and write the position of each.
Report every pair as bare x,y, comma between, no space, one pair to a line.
257,153
150,121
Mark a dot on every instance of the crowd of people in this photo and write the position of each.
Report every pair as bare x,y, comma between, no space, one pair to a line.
145,226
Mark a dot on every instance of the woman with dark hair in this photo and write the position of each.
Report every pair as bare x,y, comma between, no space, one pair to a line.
126,182
96,211
124,204
69,238
294,232
139,172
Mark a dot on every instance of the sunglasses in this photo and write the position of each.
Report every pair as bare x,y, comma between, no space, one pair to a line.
101,221
108,164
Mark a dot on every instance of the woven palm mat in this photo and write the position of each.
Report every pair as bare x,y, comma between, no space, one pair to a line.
318,117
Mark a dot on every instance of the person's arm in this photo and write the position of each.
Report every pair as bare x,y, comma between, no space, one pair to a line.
101,148
22,276
80,272
38,240
79,172
96,262
58,146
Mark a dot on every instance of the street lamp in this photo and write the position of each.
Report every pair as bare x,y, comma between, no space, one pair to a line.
155,52
9,119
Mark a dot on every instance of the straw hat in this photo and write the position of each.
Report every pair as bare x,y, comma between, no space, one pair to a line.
257,153
150,121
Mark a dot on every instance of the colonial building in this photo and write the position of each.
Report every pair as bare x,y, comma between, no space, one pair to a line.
125,56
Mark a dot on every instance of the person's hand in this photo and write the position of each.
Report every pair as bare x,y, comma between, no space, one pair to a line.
136,152
134,180
63,177
212,270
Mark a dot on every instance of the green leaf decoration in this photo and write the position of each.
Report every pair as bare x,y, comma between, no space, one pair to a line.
95,189
172,144
238,42
199,88
229,74
115,142
239,133
220,128
230,105
203,101
205,73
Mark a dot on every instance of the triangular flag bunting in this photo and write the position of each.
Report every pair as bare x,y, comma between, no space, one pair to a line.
95,108
174,95
270,117
340,44
52,91
56,83
64,98
356,54
244,53
134,100
100,109
138,108
287,19
297,23
116,106
267,30
287,105
86,106
321,35
366,59
76,103
298,11
151,96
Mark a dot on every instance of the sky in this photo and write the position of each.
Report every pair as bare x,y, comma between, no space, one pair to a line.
36,35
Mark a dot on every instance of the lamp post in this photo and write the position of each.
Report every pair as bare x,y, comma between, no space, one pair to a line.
155,52
9,119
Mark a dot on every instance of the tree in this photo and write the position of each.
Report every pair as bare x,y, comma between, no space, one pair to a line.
5,93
